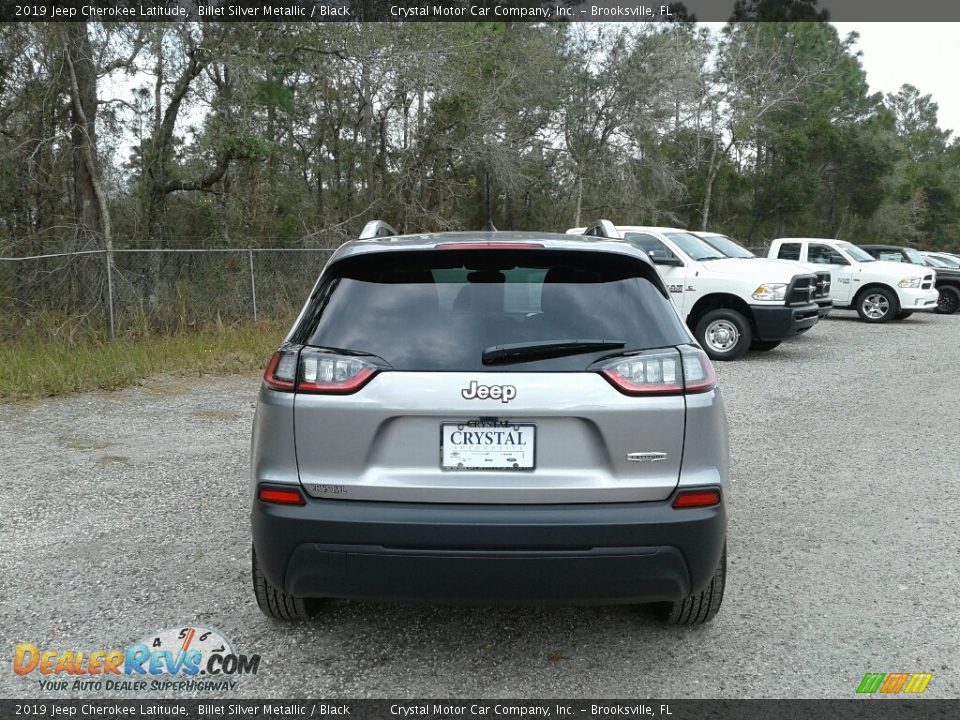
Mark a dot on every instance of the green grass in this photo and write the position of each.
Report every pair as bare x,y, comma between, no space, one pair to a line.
47,368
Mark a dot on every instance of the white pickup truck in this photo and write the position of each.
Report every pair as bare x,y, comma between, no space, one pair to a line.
731,305
731,248
879,291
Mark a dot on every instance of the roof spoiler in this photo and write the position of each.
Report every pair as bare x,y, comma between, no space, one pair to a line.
604,229
376,229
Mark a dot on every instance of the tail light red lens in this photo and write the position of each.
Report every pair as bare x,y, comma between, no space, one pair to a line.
316,372
697,498
281,373
280,496
661,372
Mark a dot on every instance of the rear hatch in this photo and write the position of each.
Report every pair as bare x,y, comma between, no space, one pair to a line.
524,375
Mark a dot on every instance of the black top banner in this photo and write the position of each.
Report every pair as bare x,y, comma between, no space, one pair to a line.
474,10
126,709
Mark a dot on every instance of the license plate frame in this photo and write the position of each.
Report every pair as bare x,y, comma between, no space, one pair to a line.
454,459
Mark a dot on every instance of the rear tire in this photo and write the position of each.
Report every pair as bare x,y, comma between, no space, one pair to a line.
877,305
275,603
701,607
764,345
724,334
949,301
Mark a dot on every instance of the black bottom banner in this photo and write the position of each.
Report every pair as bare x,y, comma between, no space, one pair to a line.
883,709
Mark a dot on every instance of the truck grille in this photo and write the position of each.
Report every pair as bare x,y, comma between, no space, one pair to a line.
927,282
823,285
801,290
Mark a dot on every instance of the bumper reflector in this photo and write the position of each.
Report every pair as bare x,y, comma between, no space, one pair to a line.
280,496
696,498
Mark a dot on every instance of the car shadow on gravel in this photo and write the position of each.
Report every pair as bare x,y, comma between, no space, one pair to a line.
507,623
853,317
378,647
786,352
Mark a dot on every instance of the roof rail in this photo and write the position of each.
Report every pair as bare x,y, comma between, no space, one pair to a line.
604,229
376,229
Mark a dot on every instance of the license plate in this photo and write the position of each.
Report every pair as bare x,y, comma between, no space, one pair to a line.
487,446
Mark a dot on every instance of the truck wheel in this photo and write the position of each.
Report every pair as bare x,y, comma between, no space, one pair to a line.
275,603
877,305
904,314
701,607
764,345
724,334
949,301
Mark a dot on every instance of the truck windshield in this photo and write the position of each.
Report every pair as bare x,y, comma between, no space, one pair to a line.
856,253
915,257
694,247
728,247
944,262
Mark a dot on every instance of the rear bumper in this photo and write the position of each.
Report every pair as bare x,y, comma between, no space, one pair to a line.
779,322
597,553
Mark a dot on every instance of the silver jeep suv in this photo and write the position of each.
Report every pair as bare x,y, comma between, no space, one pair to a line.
489,417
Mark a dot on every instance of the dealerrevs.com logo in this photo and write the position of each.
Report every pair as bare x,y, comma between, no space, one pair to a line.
181,659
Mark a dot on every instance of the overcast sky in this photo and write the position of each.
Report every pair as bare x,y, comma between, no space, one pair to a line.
923,54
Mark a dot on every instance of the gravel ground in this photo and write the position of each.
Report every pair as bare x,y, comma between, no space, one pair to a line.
126,512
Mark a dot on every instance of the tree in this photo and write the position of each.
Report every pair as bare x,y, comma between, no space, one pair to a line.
915,116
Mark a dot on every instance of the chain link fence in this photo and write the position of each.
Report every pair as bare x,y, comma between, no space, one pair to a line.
135,292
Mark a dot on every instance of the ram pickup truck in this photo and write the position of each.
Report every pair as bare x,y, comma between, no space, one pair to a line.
732,249
947,279
879,291
732,305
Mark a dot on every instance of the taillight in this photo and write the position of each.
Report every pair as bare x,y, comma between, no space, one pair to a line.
329,373
280,496
281,373
662,372
698,373
654,373
697,498
317,372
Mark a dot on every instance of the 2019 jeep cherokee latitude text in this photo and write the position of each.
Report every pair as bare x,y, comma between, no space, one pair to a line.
490,417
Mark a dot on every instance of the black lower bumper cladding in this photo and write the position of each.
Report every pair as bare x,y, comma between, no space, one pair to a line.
567,554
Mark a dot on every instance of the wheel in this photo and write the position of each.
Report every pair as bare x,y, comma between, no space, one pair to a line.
949,301
275,603
724,334
904,314
701,607
764,345
877,305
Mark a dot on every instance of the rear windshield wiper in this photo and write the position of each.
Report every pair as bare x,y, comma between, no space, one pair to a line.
525,352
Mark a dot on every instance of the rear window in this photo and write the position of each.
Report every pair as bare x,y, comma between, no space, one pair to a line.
789,251
439,310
